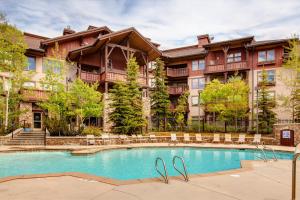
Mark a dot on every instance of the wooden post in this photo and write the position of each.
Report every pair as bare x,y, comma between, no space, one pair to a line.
225,50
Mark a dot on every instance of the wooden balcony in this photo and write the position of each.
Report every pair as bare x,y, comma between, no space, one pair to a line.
34,95
119,75
177,90
230,67
177,72
89,77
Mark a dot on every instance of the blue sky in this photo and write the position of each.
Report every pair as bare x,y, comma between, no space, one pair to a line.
172,23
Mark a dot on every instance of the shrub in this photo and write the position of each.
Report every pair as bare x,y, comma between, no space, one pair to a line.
91,130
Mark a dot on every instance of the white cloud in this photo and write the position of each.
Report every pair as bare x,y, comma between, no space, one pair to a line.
170,22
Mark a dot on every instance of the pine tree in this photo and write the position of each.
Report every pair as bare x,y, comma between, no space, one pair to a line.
266,117
180,109
160,103
127,105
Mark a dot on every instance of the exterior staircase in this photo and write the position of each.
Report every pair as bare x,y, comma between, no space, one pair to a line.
28,138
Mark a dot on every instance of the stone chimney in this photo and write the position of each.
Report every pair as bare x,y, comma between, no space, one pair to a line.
68,30
203,39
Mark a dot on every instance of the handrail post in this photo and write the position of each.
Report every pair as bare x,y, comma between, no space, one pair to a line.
295,158
165,177
185,175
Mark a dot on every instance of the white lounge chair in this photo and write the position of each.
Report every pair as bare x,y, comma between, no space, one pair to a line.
134,138
242,138
227,138
140,138
186,138
198,137
90,140
173,138
152,138
256,139
105,138
216,138
124,139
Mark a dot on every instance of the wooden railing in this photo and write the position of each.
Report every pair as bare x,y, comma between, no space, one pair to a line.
34,95
230,67
177,72
89,76
118,75
177,90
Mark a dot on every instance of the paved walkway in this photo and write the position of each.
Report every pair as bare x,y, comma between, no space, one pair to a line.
267,181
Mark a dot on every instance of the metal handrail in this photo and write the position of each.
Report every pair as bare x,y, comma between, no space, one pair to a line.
268,148
264,154
165,177
185,174
295,158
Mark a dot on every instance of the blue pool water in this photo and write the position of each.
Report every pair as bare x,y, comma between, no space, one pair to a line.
125,164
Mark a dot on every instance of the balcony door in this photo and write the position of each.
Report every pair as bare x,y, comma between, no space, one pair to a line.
37,120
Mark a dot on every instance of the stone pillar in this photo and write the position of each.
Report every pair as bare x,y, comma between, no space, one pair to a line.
107,125
147,110
26,113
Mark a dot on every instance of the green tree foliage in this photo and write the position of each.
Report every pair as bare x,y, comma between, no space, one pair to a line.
265,104
292,62
160,103
127,115
12,63
180,109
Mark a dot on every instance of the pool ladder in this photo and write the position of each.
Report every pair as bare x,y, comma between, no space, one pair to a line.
264,147
164,175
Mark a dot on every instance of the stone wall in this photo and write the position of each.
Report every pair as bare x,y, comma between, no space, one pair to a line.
295,126
26,109
107,125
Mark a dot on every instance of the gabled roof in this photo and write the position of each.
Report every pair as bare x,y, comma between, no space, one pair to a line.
136,41
267,42
76,35
184,52
33,42
228,42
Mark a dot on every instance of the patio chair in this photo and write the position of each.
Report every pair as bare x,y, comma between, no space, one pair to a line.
153,138
186,138
216,138
198,137
90,140
256,139
124,139
141,139
242,139
173,139
105,138
134,138
227,138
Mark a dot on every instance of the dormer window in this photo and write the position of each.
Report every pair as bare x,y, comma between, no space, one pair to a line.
234,57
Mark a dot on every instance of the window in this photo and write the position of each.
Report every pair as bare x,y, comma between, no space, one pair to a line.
194,100
265,56
151,82
270,76
151,65
234,57
53,65
198,83
31,64
29,84
198,65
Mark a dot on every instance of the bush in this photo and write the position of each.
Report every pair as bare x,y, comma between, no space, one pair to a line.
91,130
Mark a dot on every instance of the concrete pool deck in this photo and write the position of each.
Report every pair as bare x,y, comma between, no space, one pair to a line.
271,180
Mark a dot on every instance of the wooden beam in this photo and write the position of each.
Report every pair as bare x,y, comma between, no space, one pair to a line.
125,56
112,48
123,47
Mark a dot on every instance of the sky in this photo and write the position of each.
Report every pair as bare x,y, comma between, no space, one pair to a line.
171,23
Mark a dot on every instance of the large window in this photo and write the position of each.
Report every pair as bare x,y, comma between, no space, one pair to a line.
198,65
271,76
31,64
234,57
53,65
198,83
194,100
266,56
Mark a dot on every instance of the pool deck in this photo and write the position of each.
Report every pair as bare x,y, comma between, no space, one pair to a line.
258,180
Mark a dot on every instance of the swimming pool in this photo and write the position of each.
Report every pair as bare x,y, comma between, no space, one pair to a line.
126,164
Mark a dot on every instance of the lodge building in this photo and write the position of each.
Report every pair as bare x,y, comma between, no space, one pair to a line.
100,55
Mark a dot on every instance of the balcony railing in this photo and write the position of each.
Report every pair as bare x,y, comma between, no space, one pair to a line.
34,95
230,67
119,75
177,90
177,72
89,76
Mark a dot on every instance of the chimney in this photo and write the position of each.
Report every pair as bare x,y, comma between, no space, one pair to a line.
91,27
68,30
202,40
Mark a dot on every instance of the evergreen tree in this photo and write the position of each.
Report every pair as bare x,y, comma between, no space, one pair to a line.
180,109
266,117
160,103
127,104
